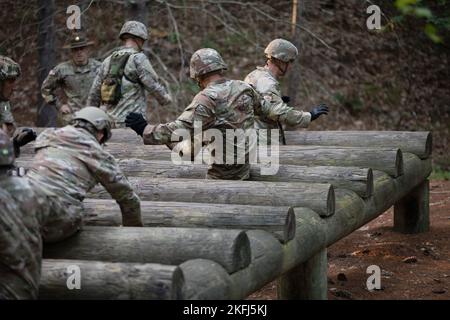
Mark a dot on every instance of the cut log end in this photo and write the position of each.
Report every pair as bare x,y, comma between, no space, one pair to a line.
369,184
289,233
331,202
241,252
399,163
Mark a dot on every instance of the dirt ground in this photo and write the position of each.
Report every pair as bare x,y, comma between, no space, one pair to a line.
412,266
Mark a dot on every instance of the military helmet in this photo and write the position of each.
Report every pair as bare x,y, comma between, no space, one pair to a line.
6,150
135,28
9,69
282,50
98,118
204,61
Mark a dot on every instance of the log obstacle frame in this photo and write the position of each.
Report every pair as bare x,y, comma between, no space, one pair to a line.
300,265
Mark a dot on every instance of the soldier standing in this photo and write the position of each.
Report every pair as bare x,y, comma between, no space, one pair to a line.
124,77
9,73
74,77
69,162
280,54
222,104
21,215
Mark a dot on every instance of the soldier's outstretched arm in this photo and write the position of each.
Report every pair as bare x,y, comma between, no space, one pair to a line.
274,108
49,86
95,98
199,112
149,79
109,174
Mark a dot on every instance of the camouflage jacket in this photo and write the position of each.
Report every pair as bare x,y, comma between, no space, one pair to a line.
75,82
273,107
224,104
21,214
5,113
139,77
69,162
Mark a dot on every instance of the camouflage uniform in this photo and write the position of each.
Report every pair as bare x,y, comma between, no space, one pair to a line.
5,113
278,112
69,162
9,69
75,81
269,88
21,215
139,77
223,104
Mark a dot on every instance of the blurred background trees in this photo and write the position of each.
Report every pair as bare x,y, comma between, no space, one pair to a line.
396,78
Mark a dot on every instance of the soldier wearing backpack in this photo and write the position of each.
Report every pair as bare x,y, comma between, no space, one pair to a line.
120,85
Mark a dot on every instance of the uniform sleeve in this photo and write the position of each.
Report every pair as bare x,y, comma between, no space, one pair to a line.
50,84
95,98
149,79
200,111
109,174
274,108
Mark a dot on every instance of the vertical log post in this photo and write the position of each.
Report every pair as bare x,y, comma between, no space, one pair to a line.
307,281
411,214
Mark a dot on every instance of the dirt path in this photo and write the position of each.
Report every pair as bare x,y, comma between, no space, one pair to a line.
412,266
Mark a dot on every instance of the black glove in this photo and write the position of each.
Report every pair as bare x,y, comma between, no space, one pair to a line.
136,122
24,137
318,111
286,99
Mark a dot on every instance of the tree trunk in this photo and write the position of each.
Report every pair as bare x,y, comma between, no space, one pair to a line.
295,72
170,246
107,280
279,221
46,115
317,196
137,10
419,143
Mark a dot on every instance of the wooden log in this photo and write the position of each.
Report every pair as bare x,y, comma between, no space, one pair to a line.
171,246
206,280
279,221
418,143
314,233
107,280
359,180
307,281
412,213
317,196
388,160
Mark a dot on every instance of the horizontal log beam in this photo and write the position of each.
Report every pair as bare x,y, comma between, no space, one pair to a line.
279,221
388,160
171,246
418,143
359,180
107,280
318,196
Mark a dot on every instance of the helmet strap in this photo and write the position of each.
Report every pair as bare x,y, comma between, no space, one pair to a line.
281,66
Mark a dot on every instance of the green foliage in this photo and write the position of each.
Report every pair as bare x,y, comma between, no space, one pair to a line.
418,9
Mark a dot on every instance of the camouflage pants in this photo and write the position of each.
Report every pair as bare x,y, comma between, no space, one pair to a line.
65,218
228,172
